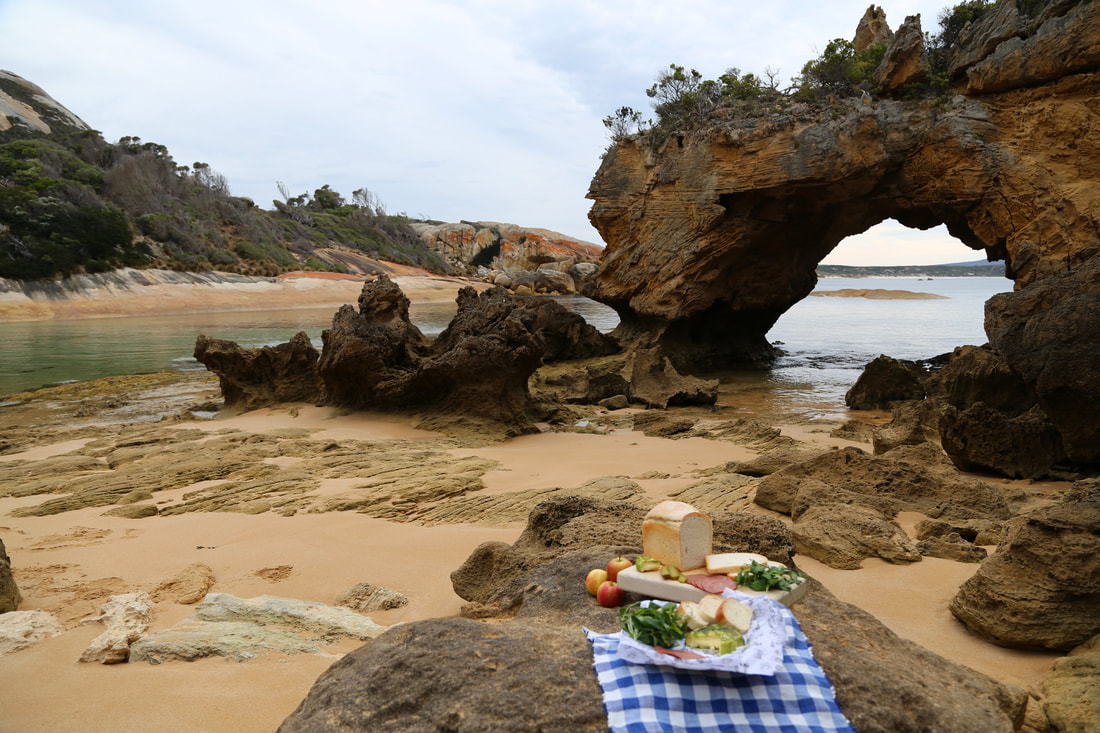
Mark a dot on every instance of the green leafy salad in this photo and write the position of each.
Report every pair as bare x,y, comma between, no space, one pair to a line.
762,577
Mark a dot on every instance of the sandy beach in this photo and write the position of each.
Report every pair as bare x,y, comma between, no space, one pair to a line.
69,563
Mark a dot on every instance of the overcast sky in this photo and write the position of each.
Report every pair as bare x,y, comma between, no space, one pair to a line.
478,110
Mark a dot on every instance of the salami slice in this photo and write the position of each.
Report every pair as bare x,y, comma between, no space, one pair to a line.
679,653
712,583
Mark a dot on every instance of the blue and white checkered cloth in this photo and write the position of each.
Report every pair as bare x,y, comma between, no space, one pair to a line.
644,698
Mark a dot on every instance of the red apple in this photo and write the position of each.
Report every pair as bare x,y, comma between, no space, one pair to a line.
616,566
594,579
609,594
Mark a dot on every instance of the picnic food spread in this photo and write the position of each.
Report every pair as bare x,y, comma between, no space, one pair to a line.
678,564
723,654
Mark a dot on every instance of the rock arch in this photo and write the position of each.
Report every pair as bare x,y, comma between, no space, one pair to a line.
711,239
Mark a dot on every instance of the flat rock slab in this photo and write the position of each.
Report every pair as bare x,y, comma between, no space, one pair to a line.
242,629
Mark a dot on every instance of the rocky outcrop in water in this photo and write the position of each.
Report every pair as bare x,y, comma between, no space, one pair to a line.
375,358
268,375
416,676
714,235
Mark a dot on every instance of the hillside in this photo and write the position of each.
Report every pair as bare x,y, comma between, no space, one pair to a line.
71,202
978,268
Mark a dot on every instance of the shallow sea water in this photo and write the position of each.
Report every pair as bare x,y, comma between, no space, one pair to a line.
825,341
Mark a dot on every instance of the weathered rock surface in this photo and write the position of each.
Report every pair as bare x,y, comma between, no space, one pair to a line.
873,30
268,375
913,423
316,618
1072,690
717,233
366,597
973,374
10,597
951,547
416,676
843,535
127,618
913,478
982,438
504,247
906,59
886,683
240,641
643,375
1049,333
188,586
241,629
22,629
1041,588
884,381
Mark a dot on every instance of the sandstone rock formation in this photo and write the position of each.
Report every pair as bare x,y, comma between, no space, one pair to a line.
873,30
188,586
1071,702
910,478
843,535
366,597
127,618
10,597
507,249
714,235
1049,333
416,676
1041,588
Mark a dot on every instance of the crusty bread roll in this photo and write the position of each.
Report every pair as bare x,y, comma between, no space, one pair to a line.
677,534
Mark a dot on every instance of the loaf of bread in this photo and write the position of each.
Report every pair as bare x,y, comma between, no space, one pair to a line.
677,534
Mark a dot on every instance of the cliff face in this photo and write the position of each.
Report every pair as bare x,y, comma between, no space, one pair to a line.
518,248
714,236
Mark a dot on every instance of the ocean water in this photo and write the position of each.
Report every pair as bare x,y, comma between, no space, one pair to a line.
825,341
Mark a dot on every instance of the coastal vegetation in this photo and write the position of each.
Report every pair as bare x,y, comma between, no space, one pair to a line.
72,202
683,100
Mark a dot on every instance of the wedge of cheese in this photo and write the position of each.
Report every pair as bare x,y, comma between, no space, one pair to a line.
731,562
677,534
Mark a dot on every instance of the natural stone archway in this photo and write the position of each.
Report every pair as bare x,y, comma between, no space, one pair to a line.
714,236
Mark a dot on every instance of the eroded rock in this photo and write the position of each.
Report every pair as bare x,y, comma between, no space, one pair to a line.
843,535
365,597
188,586
1041,588
1071,701
127,618
242,629
268,375
913,478
22,629
417,677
